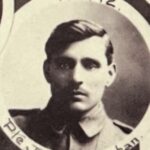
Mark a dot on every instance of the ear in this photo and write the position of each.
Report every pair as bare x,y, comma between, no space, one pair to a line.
111,74
46,70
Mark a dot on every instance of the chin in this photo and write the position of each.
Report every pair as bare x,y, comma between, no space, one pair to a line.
78,108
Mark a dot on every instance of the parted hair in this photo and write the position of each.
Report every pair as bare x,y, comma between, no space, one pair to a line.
76,30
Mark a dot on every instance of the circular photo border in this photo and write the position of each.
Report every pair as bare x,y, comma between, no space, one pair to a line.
20,139
6,21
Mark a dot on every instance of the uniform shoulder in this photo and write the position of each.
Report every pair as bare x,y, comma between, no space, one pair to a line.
113,132
22,117
124,127
23,112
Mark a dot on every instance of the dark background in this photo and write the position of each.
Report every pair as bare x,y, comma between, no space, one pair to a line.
0,10
142,6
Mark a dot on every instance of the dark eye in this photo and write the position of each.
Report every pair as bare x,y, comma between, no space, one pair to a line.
64,63
90,64
63,66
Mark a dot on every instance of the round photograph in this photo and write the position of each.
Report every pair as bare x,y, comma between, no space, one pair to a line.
75,75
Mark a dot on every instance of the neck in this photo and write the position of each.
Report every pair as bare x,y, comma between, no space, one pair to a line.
61,115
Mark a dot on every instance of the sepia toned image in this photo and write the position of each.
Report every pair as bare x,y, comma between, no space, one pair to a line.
75,75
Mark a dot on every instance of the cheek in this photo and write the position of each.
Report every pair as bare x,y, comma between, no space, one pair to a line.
98,81
96,86
60,78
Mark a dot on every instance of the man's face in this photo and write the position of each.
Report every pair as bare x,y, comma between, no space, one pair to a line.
79,74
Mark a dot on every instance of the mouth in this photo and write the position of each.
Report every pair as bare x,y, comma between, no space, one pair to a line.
78,93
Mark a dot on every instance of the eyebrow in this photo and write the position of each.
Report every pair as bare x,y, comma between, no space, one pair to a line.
96,62
64,59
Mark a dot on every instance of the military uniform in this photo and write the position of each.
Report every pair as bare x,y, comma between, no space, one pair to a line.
95,131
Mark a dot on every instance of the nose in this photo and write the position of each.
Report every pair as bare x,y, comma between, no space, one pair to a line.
78,75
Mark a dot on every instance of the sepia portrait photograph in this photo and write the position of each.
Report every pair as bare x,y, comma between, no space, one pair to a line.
75,76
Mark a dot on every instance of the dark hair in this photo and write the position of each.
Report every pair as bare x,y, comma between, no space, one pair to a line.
72,31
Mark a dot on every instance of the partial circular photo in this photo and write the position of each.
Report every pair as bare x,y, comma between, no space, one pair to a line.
143,6
0,9
75,75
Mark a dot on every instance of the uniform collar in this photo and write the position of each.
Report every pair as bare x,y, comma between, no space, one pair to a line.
93,122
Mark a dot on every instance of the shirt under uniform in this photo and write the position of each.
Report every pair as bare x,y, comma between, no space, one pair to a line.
95,131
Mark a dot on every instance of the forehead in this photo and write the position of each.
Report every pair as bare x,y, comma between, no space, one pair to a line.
93,47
